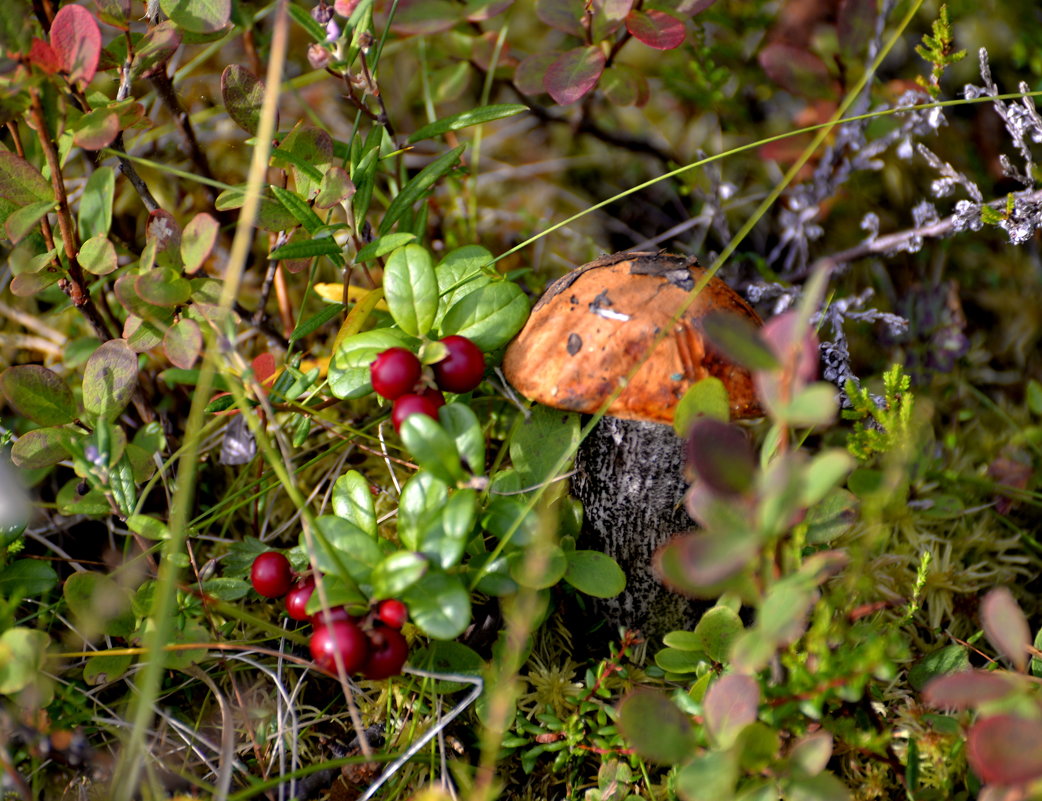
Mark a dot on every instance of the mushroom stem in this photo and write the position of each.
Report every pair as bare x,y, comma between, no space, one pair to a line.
630,481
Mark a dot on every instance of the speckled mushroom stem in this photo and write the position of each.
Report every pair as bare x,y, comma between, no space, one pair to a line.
630,481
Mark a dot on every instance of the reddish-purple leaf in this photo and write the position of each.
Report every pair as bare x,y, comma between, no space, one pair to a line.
531,72
574,74
796,350
796,70
721,456
76,40
163,228
695,564
1005,626
1005,749
730,704
966,689
656,29
42,56
608,17
564,15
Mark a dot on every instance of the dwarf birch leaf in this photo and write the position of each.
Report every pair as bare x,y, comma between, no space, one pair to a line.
109,379
574,74
76,40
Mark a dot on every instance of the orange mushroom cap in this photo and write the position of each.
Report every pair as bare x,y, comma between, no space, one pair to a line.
593,324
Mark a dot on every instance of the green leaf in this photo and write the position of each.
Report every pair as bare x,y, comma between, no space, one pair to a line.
422,497
197,240
396,573
95,215
342,543
461,424
490,316
465,119
448,657
336,188
98,255
823,787
594,573
460,272
353,501
655,728
103,668
418,187
717,630
183,343
709,777
121,486
70,502
38,394
827,470
199,16
445,538
411,289
24,652
815,405
349,367
310,152
433,449
672,660
27,578
439,605
151,528
243,95
22,222
109,379
39,448
163,287
22,183
705,398
548,558
155,48
506,516
383,245
306,249
540,441
316,321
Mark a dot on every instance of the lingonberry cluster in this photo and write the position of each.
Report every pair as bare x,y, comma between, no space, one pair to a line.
398,376
371,644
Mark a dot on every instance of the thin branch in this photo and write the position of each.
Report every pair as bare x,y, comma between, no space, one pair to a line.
898,239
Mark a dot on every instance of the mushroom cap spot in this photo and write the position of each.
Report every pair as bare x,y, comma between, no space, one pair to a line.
645,291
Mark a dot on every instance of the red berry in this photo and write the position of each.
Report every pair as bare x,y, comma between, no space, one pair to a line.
298,597
463,368
342,637
271,574
387,653
324,617
412,404
395,372
392,612
431,394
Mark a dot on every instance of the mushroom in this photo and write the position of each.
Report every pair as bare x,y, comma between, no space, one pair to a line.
582,339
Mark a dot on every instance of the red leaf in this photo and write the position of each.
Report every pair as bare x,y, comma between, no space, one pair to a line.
42,55
574,74
76,40
656,29
966,689
263,367
1004,749
1005,626
730,705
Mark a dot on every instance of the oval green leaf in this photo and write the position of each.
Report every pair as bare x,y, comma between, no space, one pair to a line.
38,394
411,289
